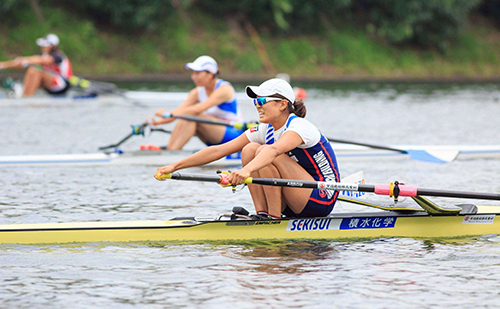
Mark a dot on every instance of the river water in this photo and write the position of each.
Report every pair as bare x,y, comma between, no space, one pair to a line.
379,273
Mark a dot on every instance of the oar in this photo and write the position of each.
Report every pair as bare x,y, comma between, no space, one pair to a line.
393,189
136,130
434,156
95,88
98,87
237,125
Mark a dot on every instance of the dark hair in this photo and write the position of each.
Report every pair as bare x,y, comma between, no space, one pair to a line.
298,108
216,75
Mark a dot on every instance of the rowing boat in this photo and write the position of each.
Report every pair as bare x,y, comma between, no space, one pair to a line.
344,152
139,157
399,222
122,98
417,217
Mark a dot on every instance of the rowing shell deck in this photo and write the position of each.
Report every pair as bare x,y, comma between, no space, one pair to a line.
148,157
337,226
140,157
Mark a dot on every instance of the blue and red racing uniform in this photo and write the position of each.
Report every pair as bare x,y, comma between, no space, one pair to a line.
316,156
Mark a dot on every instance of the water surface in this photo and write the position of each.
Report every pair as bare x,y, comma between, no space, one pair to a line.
378,273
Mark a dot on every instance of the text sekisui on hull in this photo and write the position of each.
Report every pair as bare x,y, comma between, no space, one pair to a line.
471,221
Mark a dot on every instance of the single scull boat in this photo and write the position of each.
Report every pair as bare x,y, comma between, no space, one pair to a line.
470,221
344,152
420,218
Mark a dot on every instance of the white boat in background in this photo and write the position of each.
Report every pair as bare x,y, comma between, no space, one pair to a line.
139,157
120,97
344,152
153,96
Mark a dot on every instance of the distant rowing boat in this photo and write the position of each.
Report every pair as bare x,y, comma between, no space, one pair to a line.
124,97
139,157
344,153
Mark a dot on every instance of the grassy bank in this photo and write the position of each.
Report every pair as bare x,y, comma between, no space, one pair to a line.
337,54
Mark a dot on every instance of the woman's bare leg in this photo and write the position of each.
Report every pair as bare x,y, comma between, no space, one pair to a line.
274,199
210,133
256,191
34,79
296,198
181,134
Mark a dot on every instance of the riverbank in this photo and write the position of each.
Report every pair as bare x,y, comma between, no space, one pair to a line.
339,55
145,78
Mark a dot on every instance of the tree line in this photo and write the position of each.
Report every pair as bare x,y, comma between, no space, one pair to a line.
427,24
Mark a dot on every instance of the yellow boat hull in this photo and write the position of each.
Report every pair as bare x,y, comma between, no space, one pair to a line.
351,226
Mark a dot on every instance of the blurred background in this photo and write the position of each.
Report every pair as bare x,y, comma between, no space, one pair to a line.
252,39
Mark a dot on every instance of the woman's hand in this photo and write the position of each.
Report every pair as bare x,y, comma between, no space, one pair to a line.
164,170
150,121
238,177
160,112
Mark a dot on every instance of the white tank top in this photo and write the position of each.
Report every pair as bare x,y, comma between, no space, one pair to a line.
228,110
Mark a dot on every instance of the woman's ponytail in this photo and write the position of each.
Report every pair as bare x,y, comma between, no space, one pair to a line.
298,108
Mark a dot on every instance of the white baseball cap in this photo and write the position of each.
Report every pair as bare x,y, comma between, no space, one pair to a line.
203,63
271,87
48,40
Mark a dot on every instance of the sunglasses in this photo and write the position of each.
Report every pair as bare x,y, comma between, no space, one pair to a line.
261,101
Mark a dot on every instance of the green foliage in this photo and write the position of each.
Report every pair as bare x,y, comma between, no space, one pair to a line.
295,16
248,62
8,7
298,52
429,23
315,15
279,9
355,50
126,15
324,38
268,14
470,48
175,38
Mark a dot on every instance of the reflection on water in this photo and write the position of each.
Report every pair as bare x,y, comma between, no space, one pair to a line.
387,273
286,257
293,250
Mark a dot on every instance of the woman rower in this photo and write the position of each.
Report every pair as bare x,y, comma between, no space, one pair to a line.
51,70
212,98
284,145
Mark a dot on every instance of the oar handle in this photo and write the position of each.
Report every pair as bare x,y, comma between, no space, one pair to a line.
195,177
